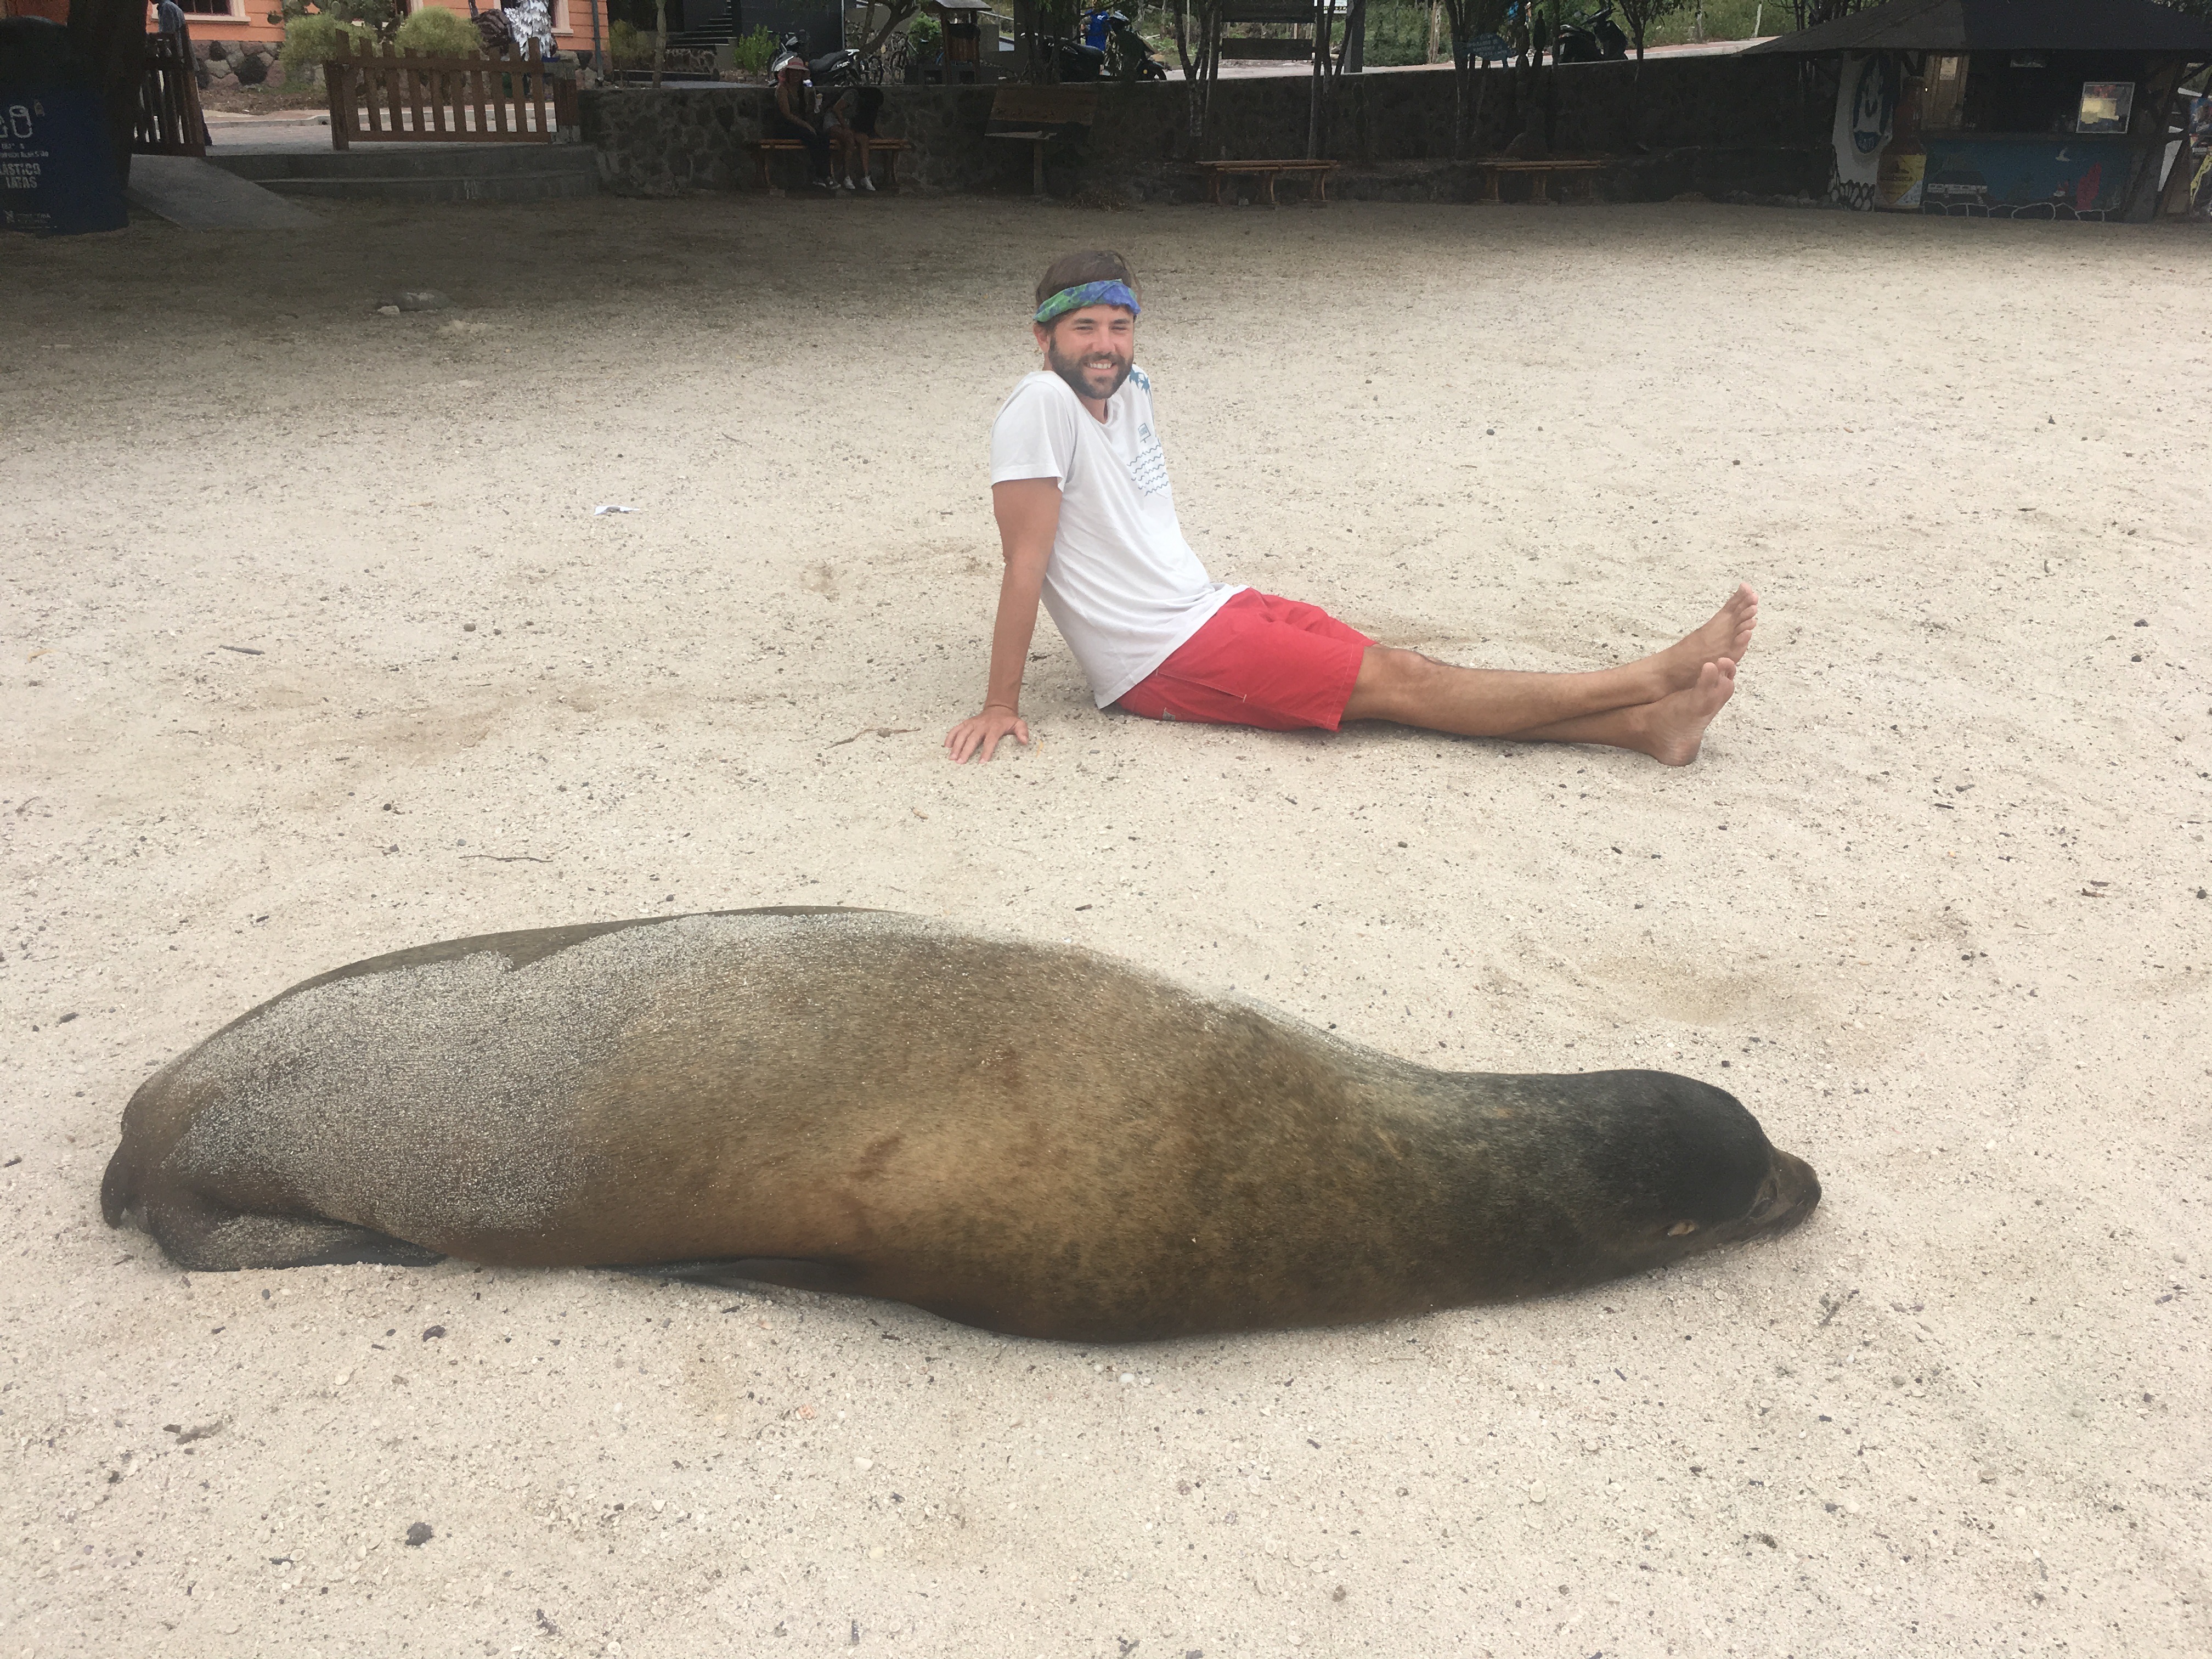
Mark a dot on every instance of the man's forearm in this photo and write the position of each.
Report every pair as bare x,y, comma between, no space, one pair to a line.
1019,590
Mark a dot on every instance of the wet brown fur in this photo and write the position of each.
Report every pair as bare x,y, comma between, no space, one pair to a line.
1033,1139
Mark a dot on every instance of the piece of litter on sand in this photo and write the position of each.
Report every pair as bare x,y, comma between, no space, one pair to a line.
243,650
611,507
880,731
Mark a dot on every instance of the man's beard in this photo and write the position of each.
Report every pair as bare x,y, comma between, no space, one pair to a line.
1082,380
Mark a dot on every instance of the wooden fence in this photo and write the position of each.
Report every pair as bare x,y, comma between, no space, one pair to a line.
167,119
399,97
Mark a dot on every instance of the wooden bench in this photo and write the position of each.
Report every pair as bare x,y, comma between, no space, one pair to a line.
1494,168
888,148
1038,115
1218,173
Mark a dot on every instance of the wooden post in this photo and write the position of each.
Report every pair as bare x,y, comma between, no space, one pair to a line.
1313,98
338,87
479,80
405,75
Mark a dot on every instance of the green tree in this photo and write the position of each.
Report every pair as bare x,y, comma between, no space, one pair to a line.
1640,15
1468,19
1191,22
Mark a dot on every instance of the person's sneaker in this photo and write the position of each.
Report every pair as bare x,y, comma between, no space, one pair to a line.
868,184
848,183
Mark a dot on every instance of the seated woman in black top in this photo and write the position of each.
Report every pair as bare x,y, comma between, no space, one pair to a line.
793,116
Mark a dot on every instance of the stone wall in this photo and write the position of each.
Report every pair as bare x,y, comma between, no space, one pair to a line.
1711,124
227,66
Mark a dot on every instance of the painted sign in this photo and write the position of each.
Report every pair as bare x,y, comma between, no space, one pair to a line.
2106,105
1904,178
1866,102
2024,179
1904,166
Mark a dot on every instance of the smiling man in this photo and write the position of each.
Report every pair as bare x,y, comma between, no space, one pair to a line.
1087,524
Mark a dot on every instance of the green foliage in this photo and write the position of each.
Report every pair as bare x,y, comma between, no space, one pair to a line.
1398,33
1637,17
628,47
1724,20
440,32
380,17
312,40
756,50
922,39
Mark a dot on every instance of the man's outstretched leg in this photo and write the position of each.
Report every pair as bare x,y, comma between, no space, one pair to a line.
1659,706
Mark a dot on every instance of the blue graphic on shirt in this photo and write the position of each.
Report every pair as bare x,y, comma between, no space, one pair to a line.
1148,469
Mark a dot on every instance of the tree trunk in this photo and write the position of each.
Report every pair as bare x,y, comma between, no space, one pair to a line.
1313,99
1435,29
660,38
896,12
1463,76
1195,72
110,38
1354,60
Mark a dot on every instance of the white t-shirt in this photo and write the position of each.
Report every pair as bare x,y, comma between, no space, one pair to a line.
1123,586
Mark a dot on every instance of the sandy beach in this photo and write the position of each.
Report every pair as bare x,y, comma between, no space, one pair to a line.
314,648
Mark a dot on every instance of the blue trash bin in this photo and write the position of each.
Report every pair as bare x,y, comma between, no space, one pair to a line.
57,170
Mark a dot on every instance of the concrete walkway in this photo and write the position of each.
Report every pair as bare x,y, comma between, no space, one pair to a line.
200,195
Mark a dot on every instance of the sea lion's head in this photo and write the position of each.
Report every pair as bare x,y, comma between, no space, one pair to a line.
1685,1167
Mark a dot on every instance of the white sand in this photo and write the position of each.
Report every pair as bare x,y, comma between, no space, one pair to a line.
1932,897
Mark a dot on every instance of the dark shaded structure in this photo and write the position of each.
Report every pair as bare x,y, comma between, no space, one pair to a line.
2055,109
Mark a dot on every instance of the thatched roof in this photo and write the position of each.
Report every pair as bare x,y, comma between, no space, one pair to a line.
2005,26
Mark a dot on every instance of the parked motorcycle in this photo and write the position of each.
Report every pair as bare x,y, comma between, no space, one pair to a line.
1111,50
845,68
1129,56
1594,38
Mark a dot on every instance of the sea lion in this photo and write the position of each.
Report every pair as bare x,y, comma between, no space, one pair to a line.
1030,1138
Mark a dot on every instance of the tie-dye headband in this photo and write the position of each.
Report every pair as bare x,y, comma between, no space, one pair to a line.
1088,294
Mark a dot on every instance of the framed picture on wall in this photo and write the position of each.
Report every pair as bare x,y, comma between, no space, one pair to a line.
2106,105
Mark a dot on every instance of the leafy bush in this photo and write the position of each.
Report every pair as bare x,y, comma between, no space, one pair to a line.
380,16
923,40
628,47
757,51
440,32
312,40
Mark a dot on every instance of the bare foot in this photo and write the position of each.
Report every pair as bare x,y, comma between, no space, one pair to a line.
1725,634
1671,729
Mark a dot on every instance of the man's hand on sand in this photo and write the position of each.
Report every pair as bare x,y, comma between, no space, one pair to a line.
978,736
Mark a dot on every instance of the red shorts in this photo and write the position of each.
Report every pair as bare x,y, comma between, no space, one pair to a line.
1260,661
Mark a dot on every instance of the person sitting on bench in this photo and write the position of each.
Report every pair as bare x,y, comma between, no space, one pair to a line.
794,117
849,122
1087,523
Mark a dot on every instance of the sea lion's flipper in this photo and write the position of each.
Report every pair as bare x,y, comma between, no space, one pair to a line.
205,1241
792,1273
